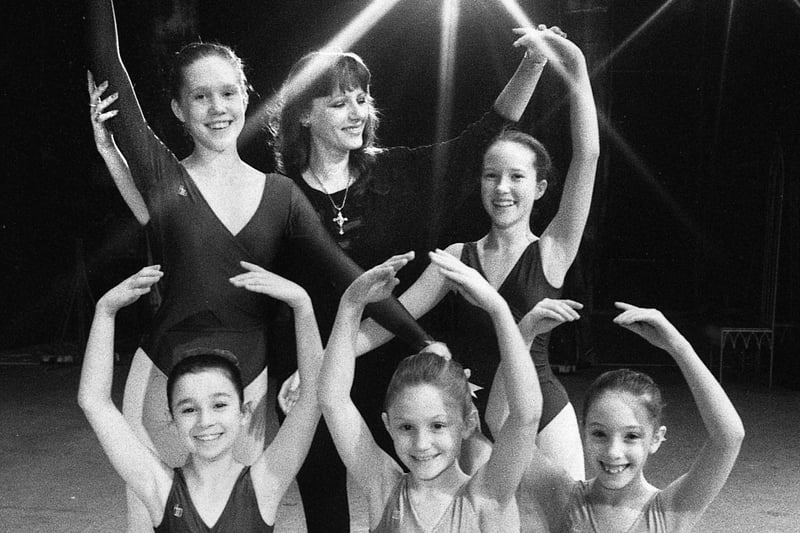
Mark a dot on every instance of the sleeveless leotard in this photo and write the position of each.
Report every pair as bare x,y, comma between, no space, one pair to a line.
399,515
473,341
200,306
580,519
241,514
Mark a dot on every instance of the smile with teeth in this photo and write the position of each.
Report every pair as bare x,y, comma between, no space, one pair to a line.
220,125
206,438
503,203
613,469
424,459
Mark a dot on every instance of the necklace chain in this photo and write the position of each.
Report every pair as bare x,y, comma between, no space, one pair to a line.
339,219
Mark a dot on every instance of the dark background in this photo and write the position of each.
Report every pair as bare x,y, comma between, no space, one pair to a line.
697,107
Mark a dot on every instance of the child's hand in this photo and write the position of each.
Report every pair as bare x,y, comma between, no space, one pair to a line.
649,324
129,290
549,314
98,113
467,281
265,282
289,393
377,283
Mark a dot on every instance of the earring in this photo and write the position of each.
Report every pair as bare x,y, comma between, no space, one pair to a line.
305,123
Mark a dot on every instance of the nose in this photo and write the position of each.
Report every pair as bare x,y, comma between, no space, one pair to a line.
503,184
422,440
205,417
216,104
357,110
615,448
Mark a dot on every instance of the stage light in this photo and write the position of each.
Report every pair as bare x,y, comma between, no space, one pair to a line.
447,67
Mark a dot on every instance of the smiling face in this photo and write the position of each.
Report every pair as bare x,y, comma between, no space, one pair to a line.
426,430
207,413
509,185
212,102
336,122
619,436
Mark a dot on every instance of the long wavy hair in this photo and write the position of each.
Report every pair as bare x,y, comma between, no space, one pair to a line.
316,75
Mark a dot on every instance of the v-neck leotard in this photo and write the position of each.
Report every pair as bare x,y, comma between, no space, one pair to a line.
200,307
579,516
241,513
472,337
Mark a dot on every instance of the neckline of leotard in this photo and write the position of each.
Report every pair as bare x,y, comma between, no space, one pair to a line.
228,501
193,185
472,248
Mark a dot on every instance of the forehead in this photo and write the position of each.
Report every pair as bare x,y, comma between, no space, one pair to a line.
210,70
421,402
616,409
203,384
509,154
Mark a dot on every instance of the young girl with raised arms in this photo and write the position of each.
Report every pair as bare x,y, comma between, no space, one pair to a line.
428,413
621,429
205,394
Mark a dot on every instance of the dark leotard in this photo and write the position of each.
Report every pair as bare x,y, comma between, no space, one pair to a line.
241,512
473,341
200,306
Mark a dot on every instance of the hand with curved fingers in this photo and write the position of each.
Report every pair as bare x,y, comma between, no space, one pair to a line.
467,281
129,290
377,283
258,279
99,113
548,314
650,324
289,393
550,44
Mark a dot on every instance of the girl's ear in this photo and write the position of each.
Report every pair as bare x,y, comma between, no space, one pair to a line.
176,110
541,187
305,118
247,413
385,419
470,423
659,436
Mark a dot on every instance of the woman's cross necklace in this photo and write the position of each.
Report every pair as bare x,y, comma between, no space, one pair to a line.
339,219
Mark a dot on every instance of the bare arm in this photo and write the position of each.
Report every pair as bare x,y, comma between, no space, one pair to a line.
562,237
374,471
421,297
278,465
108,149
689,496
147,476
511,453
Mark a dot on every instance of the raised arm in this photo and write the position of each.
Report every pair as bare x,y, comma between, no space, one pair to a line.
143,472
421,297
99,114
143,151
275,469
512,450
373,469
513,99
687,497
562,237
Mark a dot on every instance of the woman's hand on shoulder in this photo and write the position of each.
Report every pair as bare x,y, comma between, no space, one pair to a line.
129,290
258,279
378,282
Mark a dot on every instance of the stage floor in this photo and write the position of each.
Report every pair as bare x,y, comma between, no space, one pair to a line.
55,478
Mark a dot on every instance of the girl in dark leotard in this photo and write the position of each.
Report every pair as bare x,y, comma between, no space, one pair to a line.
205,215
205,399
523,267
375,202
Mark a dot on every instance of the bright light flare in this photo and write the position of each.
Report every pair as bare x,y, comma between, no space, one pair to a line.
342,41
447,67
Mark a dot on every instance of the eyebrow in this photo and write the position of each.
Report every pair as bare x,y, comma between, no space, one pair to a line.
213,396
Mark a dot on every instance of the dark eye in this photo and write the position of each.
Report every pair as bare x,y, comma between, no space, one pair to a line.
220,405
518,176
405,427
188,410
598,434
490,176
633,436
439,425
